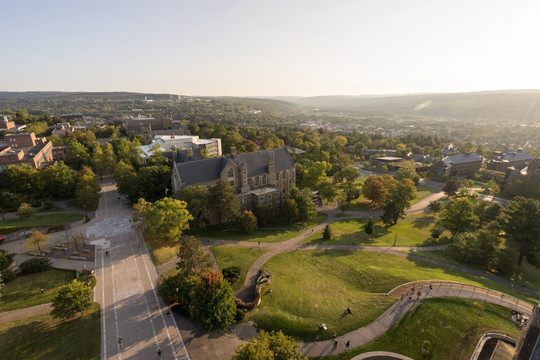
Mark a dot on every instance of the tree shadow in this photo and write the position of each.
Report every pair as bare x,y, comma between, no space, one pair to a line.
423,222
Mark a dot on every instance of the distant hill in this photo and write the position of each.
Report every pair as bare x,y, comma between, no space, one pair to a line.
517,105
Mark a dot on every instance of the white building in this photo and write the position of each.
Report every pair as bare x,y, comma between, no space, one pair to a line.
164,143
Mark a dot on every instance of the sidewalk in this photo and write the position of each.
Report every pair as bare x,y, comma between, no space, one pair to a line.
24,313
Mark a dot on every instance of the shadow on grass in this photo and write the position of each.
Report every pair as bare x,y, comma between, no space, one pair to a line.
424,222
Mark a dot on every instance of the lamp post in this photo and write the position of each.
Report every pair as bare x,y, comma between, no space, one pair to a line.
85,271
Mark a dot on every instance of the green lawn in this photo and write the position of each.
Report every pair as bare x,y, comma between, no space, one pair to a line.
266,236
360,204
409,231
310,287
161,253
53,209
237,256
319,218
527,274
42,337
423,192
39,220
24,291
459,337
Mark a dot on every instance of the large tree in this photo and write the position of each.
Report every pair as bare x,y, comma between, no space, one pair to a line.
164,220
72,298
88,189
458,215
197,199
270,346
520,220
36,238
192,258
59,180
224,202
397,201
374,190
451,187
407,173
212,304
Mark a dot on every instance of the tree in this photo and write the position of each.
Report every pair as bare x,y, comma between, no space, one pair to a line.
435,206
520,220
265,214
197,198
450,187
36,238
270,346
374,190
99,162
80,156
248,221
327,232
305,208
88,189
125,177
458,215
224,202
397,201
152,181
314,174
59,180
368,228
491,187
327,190
213,306
26,211
72,298
165,219
22,180
289,210
407,173
192,258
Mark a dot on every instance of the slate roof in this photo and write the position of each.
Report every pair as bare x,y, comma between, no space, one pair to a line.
460,159
194,172
182,155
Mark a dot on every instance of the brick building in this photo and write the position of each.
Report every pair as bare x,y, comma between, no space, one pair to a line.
25,148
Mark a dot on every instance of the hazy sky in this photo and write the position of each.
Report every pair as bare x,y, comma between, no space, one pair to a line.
270,47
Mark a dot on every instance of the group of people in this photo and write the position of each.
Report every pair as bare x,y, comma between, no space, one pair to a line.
322,326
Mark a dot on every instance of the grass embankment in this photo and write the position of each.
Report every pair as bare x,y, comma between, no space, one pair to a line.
313,287
262,235
12,225
410,232
452,326
244,257
25,290
526,274
42,337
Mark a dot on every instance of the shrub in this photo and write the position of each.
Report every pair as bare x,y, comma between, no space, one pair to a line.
368,228
240,314
327,233
8,275
47,205
35,265
231,274
436,232
5,259
25,211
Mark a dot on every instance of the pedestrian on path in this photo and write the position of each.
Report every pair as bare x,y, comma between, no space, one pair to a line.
348,345
159,353
121,342
259,244
222,241
419,293
317,338
335,335
335,344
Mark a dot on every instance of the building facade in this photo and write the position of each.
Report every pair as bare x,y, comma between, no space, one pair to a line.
502,160
25,148
457,166
262,177
165,143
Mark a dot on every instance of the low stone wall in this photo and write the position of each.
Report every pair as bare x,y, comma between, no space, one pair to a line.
263,280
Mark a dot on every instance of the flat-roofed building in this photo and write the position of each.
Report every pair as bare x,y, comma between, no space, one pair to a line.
165,143
25,148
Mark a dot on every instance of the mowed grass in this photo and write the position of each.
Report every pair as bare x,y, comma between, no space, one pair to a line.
40,220
25,290
266,236
409,231
526,274
459,337
313,287
161,253
423,192
244,257
42,337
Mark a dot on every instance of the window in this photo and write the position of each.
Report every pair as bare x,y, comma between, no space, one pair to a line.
257,182
264,180
277,176
232,183
230,173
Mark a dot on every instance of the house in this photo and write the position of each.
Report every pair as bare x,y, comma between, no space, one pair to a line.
145,125
62,152
457,166
5,124
449,150
502,160
165,143
261,177
25,148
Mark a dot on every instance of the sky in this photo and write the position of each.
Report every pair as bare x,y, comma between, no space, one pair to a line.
269,47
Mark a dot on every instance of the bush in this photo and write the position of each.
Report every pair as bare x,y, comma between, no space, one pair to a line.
48,205
368,228
8,275
35,265
231,274
25,211
327,233
436,232
5,259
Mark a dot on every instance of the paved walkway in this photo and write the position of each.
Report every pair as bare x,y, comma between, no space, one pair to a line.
24,313
383,323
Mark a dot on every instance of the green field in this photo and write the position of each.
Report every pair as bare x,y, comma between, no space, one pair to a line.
237,256
310,287
161,253
461,331
409,231
25,290
42,337
423,192
11,225
526,275
266,236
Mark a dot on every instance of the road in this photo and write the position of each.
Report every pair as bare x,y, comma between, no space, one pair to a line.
126,289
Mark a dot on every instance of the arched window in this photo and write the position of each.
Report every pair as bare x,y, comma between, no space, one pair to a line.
230,173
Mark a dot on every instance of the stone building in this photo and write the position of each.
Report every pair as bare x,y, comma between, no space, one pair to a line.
457,166
502,160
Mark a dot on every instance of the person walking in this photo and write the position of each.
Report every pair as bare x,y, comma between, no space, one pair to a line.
335,344
348,345
159,353
121,342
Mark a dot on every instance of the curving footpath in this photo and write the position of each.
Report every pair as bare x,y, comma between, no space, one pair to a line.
440,289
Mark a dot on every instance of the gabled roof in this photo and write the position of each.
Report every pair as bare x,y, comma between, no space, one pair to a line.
513,155
198,171
461,159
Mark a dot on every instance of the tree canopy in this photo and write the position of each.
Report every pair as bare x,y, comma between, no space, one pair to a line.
270,346
72,298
